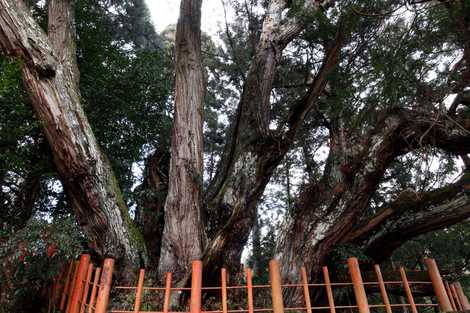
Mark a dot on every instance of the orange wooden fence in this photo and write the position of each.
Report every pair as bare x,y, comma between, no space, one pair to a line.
84,288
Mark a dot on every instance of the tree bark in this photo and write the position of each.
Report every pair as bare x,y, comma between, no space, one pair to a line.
253,151
150,213
183,235
413,214
328,210
51,77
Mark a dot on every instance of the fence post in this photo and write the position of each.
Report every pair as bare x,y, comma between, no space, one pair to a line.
139,291
249,289
276,289
450,297
308,303
166,301
196,287
408,292
96,279
105,286
86,288
358,285
438,285
462,297
223,274
329,290
72,287
456,297
78,284
383,290
66,285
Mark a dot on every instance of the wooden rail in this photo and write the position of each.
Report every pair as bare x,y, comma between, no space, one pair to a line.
84,288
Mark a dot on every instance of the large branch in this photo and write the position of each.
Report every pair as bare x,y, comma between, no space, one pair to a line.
310,100
250,125
253,153
22,37
414,214
61,33
49,74
327,211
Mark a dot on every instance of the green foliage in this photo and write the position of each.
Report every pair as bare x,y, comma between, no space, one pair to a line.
16,119
126,81
262,252
449,247
32,257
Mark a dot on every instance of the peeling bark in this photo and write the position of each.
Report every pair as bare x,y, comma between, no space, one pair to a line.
51,78
183,234
328,210
252,151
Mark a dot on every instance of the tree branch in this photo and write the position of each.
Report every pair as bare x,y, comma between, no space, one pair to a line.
414,214
21,36
309,100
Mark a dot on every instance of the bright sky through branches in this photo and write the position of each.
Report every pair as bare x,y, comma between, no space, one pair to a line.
165,12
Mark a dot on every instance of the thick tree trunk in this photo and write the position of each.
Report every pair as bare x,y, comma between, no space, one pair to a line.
51,78
150,213
253,152
328,211
184,235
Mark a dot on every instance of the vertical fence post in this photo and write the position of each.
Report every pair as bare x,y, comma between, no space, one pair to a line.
450,297
138,291
438,285
223,274
78,284
96,279
249,289
408,292
457,300
196,287
276,289
383,290
86,288
71,287
358,285
329,291
461,295
68,279
166,301
105,286
308,303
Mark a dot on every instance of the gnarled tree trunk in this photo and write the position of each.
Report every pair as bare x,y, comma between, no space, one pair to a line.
333,210
253,151
51,76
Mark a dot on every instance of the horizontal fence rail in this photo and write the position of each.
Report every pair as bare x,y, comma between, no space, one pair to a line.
83,288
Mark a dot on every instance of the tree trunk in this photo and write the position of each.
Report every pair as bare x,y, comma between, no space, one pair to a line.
329,211
183,234
150,213
253,152
51,77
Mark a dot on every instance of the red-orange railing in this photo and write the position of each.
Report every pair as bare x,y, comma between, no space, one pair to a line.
82,288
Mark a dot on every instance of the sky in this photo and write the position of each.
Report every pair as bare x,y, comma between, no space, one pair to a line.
165,12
